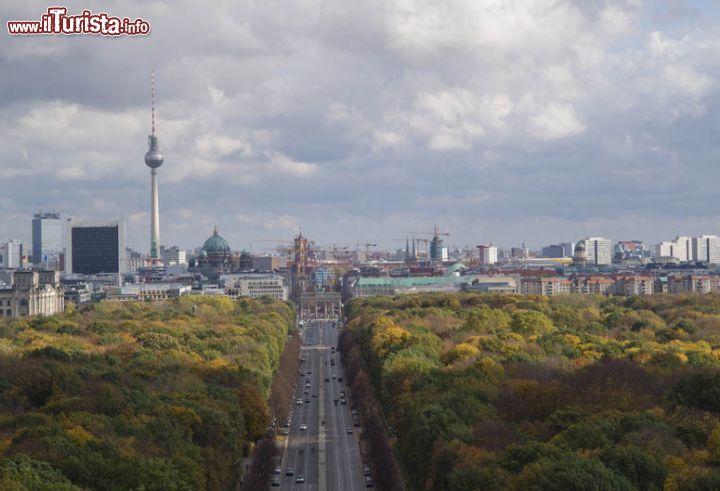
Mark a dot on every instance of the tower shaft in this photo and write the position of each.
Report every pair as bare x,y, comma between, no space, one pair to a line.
155,218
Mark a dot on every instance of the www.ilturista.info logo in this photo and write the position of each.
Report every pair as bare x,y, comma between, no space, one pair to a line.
57,21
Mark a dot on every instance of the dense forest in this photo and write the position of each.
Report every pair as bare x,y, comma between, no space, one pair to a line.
490,392
121,396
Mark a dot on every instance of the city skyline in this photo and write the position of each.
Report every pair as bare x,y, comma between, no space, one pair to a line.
596,120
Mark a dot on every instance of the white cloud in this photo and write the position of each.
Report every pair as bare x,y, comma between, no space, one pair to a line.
554,121
284,165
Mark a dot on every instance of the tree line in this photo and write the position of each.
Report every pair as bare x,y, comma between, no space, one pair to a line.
138,395
507,392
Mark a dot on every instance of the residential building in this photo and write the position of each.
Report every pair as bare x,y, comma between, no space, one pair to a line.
690,283
592,284
544,285
630,285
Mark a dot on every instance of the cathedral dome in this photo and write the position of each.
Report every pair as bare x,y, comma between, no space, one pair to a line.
216,244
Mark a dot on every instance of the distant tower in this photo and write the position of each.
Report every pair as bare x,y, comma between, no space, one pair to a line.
580,256
154,159
300,254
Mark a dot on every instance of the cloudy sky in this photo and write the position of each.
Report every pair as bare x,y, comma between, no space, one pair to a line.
500,120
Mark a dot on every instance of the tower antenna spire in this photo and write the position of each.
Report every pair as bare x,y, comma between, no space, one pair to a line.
154,159
152,90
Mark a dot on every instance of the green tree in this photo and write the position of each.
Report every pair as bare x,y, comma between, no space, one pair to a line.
531,322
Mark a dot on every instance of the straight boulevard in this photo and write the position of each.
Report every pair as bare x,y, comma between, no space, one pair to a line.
322,450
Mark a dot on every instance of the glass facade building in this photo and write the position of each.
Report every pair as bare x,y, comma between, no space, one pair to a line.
47,239
97,248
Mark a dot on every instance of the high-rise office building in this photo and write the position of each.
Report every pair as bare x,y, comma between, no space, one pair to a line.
599,251
553,251
96,248
488,254
706,249
568,248
47,240
11,254
680,248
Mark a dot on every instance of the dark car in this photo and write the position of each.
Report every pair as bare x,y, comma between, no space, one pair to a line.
369,482
289,471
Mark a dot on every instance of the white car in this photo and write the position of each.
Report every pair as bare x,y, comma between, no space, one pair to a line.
303,427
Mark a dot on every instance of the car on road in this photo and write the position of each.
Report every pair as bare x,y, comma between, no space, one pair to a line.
289,471
303,427
277,471
298,402
314,395
343,401
306,391
275,482
349,430
284,431
327,379
300,479
334,376
369,482
366,470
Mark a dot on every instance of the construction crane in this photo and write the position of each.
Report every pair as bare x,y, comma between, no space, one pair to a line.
367,250
434,233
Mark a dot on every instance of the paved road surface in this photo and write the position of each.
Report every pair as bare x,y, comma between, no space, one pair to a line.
326,455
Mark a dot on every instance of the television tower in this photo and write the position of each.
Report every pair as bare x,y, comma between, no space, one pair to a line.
154,159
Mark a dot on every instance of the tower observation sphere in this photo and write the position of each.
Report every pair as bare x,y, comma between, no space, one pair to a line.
153,157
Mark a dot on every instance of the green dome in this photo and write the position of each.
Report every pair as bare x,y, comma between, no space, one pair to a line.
216,244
